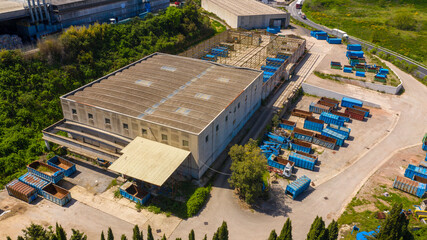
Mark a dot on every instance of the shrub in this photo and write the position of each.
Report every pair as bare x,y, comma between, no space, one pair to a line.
197,200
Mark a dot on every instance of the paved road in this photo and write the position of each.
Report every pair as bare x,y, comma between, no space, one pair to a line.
422,69
409,127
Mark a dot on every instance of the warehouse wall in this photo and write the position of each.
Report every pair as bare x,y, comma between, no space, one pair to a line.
136,127
221,12
229,122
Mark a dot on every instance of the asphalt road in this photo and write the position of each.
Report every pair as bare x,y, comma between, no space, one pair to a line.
421,70
409,126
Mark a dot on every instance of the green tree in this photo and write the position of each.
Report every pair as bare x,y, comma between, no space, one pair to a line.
110,235
317,230
149,233
247,167
164,237
333,230
273,235
77,235
137,235
191,235
8,238
20,238
35,232
102,235
275,120
206,237
395,226
223,231
286,233
60,233
123,237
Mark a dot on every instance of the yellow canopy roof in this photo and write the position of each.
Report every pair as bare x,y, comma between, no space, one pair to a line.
149,161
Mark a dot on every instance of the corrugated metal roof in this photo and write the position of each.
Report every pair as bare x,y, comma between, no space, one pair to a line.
246,7
149,161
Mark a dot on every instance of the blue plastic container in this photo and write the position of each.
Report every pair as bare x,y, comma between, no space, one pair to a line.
269,68
133,193
334,40
339,137
34,182
340,129
412,170
68,167
360,74
302,161
354,47
331,118
56,194
415,188
350,102
298,186
311,124
53,175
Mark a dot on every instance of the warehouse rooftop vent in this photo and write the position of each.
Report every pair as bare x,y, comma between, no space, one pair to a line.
149,111
144,83
224,80
202,96
183,111
168,68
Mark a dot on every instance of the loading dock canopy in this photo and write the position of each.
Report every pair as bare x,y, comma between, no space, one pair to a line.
149,161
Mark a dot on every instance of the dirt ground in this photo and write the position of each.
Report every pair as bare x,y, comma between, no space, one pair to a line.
331,162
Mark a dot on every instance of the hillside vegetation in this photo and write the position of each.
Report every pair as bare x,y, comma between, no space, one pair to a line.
30,86
399,25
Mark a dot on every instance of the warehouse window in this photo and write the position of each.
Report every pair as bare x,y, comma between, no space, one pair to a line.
234,109
90,116
107,121
74,111
246,98
184,143
238,105
217,127
207,138
125,126
144,131
226,118
164,137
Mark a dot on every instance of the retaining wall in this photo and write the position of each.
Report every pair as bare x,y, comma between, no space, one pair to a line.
373,86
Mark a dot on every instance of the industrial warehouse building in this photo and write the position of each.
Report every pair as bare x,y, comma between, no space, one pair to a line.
247,14
161,115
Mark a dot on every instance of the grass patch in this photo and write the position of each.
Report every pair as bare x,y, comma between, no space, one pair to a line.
112,183
219,28
398,25
44,169
301,24
117,194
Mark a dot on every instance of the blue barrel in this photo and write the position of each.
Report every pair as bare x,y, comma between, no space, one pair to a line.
339,137
350,102
298,186
331,118
340,129
302,161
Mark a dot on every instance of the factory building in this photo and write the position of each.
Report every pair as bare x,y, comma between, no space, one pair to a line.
159,116
247,14
32,19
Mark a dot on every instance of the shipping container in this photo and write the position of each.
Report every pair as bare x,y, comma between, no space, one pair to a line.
314,124
380,78
284,162
327,104
300,145
412,170
342,116
355,114
315,32
348,70
340,129
275,164
409,186
339,137
383,71
330,100
219,52
354,47
210,57
21,191
288,125
298,186
424,147
314,157
134,193
331,118
34,181
302,134
336,65
321,36
269,68
372,69
324,141
68,167
419,179
318,108
45,171
334,40
301,113
56,194
358,54
367,111
360,74
302,161
350,102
